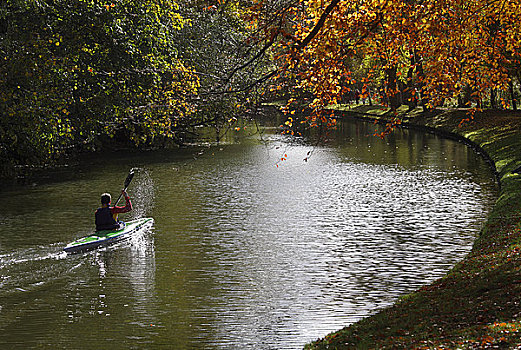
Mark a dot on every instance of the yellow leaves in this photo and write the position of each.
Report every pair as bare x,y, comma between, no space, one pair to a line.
108,7
452,41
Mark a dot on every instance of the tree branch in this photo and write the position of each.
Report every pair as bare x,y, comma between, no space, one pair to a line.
318,26
248,87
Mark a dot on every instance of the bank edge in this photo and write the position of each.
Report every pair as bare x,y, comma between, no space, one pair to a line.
478,303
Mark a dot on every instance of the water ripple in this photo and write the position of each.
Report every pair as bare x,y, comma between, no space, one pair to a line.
301,251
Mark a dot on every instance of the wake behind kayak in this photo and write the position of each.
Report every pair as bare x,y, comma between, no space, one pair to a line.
106,237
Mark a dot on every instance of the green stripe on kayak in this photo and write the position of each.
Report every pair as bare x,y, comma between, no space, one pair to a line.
102,238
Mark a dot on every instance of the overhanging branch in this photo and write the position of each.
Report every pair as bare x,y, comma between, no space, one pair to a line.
318,26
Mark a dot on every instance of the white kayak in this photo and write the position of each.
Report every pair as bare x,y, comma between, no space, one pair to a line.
106,237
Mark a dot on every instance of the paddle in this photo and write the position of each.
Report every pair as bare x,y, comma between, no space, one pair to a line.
129,178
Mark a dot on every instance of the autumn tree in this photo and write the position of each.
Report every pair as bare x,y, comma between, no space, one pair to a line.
433,49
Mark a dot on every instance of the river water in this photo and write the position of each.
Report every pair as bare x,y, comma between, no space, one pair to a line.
248,251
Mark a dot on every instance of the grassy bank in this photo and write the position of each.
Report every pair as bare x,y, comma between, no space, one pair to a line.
478,303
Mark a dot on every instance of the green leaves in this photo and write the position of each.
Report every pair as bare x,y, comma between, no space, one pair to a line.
74,71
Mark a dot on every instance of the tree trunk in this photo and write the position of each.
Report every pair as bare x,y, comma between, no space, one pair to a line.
460,101
410,96
391,88
512,95
421,76
493,98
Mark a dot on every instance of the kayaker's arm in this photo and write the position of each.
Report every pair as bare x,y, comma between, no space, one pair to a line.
118,210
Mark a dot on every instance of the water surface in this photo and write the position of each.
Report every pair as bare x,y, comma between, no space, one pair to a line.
247,250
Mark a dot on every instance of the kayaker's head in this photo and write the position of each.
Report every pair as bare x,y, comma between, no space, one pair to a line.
105,199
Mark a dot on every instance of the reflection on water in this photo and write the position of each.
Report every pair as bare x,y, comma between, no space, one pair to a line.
244,253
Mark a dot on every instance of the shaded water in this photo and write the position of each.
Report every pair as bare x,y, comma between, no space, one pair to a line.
247,251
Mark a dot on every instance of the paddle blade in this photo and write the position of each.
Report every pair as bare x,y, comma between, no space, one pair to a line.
129,178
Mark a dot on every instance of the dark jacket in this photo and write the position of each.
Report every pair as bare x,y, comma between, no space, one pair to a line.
105,220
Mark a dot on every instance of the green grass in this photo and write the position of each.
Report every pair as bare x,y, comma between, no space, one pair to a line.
478,303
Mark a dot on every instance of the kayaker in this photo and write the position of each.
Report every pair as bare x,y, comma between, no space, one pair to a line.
107,216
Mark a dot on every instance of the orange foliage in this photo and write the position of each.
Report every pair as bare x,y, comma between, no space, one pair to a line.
446,45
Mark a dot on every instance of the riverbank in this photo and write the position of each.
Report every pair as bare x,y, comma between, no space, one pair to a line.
478,303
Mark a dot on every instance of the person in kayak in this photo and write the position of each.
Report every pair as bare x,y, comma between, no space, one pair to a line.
107,216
